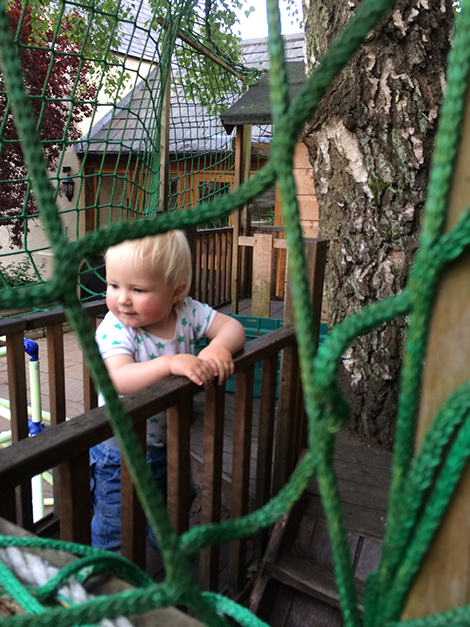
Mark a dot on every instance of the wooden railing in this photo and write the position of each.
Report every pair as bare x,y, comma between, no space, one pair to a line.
213,266
65,446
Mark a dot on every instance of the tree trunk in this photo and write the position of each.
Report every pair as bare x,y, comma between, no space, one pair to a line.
370,144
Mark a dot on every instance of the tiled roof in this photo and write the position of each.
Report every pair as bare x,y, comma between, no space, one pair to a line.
255,51
137,39
129,126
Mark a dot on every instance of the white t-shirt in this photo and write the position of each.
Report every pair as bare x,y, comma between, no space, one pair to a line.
193,320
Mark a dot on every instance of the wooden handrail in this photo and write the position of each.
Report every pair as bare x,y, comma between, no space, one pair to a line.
65,447
54,446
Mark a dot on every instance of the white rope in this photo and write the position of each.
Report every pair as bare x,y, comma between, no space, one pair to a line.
33,571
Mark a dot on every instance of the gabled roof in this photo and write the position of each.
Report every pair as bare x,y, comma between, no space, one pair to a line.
137,39
254,106
129,126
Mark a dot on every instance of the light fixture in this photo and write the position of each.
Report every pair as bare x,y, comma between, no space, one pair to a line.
68,183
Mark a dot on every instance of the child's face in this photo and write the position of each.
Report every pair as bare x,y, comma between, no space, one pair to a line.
137,297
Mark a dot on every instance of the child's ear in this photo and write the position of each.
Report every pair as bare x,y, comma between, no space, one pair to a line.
178,291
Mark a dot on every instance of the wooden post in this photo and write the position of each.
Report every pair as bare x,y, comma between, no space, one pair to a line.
289,421
19,419
133,521
262,275
443,581
164,148
240,219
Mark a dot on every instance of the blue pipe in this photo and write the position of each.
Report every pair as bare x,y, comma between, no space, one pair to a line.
31,348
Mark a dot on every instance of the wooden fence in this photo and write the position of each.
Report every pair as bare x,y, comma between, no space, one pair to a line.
213,266
65,446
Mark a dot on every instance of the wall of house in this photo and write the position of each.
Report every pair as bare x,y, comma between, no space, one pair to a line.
308,205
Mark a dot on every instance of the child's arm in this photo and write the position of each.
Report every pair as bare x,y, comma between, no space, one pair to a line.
130,376
227,337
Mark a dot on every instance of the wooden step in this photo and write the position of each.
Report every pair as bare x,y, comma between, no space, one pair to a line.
309,579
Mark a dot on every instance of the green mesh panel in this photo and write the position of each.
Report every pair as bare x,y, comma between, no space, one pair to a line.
107,131
419,493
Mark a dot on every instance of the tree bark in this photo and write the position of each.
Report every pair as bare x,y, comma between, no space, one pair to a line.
370,144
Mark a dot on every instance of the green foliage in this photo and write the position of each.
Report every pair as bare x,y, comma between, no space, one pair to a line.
17,274
96,26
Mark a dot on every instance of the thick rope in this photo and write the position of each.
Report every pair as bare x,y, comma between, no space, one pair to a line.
430,479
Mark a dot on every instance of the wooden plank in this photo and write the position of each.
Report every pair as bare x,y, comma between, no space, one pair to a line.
8,505
212,481
75,505
204,268
90,199
290,431
307,611
240,473
204,51
443,581
238,180
223,267
359,494
310,579
304,181
218,268
229,266
319,548
301,157
179,422
264,457
133,521
284,461
262,275
356,449
56,366
360,520
19,419
197,273
278,610
90,397
249,241
369,559
245,216
211,261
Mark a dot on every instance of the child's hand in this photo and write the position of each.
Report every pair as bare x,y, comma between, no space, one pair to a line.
197,370
219,359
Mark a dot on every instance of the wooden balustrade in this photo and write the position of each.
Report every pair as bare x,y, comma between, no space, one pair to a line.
212,280
65,446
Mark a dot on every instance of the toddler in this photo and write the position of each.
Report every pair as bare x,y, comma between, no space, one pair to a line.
149,333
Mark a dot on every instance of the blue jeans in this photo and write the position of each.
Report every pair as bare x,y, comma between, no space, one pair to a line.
105,486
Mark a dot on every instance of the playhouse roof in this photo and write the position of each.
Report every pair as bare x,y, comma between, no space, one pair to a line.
254,106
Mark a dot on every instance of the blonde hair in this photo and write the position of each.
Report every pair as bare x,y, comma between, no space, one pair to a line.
168,255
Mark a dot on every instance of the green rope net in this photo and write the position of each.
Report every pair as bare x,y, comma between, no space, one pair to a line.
419,493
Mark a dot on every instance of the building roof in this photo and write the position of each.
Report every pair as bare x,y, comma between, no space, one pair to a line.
254,107
137,39
255,51
129,126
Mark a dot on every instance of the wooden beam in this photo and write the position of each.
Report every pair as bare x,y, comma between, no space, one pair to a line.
443,581
19,418
163,190
203,50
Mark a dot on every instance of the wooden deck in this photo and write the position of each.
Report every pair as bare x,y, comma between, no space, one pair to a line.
295,583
